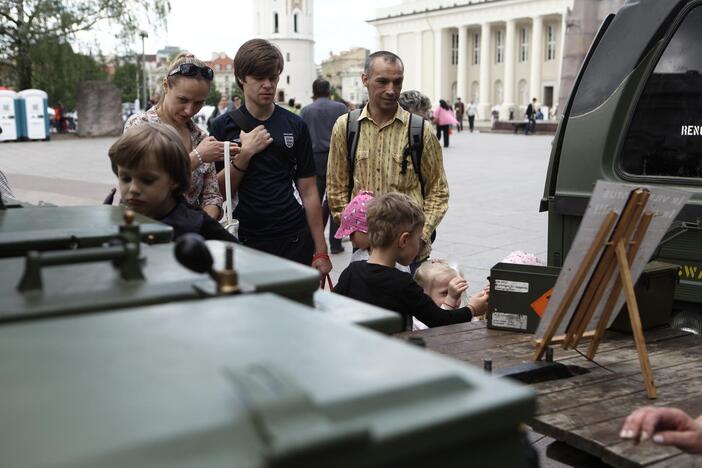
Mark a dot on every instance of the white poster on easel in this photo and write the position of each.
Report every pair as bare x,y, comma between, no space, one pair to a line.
664,203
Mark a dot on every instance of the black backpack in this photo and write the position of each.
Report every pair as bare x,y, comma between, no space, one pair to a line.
415,145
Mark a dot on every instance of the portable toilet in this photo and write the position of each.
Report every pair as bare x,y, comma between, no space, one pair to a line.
10,116
36,116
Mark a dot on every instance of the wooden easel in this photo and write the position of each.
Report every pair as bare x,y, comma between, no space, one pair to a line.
616,253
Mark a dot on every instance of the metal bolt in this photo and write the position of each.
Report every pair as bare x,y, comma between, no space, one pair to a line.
549,354
487,365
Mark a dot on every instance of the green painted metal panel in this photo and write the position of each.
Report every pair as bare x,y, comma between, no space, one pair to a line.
244,381
54,227
345,309
89,287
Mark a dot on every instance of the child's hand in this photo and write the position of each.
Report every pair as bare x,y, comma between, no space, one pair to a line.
456,287
478,303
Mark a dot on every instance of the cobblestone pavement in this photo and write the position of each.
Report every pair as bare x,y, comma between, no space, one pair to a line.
496,182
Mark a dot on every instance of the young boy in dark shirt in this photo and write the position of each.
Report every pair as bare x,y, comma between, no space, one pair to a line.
395,224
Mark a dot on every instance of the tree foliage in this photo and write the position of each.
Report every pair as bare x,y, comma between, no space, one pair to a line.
59,71
213,97
127,77
26,23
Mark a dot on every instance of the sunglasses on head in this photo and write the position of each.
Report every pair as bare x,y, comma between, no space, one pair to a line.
190,69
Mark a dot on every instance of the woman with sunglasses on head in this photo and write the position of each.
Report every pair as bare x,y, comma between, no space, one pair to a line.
185,89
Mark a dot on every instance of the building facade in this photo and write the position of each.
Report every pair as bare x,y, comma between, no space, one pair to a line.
223,67
352,89
337,66
288,24
497,53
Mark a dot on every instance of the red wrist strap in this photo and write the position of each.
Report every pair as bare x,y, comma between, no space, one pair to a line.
317,256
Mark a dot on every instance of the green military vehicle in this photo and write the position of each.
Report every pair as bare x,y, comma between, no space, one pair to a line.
635,116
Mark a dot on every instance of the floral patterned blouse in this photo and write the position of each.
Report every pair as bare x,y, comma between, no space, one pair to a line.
204,189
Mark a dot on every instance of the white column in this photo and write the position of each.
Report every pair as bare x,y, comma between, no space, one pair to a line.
560,48
461,81
485,64
537,57
419,47
508,95
439,65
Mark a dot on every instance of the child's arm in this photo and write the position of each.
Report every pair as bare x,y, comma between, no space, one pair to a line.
417,303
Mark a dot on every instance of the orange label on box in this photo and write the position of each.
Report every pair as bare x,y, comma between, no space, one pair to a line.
540,304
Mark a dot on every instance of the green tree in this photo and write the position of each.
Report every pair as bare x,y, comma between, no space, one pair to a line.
59,71
125,78
214,96
25,23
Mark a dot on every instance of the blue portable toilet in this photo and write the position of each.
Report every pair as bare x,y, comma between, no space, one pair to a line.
35,105
10,116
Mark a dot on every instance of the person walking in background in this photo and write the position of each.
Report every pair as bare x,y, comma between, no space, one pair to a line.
471,112
320,117
443,118
221,108
530,115
236,103
185,88
460,111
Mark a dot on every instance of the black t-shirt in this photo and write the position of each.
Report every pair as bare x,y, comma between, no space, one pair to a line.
184,218
395,290
267,204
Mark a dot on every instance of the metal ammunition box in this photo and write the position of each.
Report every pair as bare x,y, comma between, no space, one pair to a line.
88,287
69,227
345,309
273,384
519,295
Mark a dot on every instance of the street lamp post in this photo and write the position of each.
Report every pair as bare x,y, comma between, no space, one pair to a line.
144,35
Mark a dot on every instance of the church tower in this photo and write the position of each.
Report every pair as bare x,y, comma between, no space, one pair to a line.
288,24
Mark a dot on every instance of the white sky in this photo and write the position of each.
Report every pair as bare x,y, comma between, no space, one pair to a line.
207,26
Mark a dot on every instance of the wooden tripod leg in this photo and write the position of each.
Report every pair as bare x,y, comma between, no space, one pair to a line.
636,327
616,289
605,268
572,290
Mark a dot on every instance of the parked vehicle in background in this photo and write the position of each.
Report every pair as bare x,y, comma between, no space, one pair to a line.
635,116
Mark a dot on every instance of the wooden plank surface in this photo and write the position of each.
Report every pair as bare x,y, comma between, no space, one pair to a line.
586,411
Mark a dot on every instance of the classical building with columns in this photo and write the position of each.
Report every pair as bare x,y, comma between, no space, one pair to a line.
498,53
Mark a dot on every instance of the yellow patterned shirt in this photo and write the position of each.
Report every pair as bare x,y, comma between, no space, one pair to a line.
378,167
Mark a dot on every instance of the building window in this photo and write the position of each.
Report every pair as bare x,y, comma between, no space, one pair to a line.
287,56
523,45
499,47
454,49
229,67
295,22
287,79
550,42
476,49
275,22
218,67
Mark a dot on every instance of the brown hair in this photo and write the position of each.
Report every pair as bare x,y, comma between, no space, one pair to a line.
258,58
390,215
181,58
152,140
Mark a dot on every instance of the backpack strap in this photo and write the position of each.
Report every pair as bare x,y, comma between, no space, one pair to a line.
415,135
353,128
240,120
